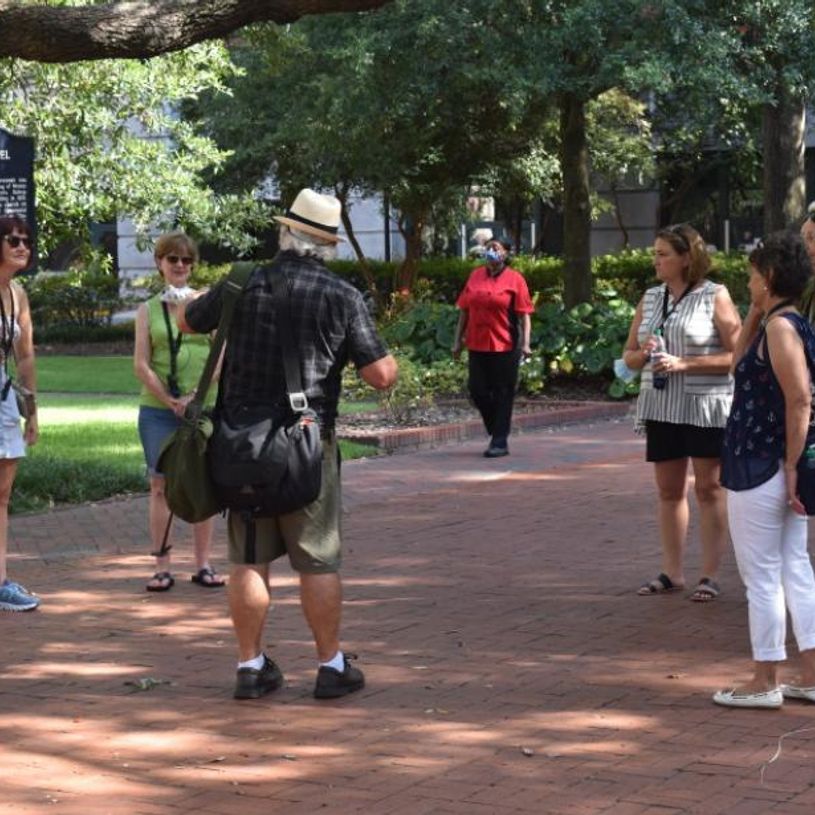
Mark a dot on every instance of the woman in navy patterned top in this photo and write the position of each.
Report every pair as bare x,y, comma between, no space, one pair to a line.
764,439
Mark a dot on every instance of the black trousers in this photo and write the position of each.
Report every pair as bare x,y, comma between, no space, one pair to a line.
492,382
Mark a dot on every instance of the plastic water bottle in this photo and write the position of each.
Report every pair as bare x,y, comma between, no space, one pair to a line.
660,380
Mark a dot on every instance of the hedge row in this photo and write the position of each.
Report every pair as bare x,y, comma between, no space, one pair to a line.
76,306
627,274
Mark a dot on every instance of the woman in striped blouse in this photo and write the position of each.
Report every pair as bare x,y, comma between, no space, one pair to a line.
685,414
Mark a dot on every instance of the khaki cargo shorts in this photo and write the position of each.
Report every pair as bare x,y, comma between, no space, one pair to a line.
309,536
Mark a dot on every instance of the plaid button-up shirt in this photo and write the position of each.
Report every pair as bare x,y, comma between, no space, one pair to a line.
331,326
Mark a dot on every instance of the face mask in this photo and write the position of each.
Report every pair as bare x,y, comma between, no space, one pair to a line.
493,256
622,371
172,294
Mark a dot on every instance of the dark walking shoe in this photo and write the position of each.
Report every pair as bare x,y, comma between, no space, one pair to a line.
253,683
332,683
495,452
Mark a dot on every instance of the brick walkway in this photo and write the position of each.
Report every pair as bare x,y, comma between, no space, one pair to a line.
511,668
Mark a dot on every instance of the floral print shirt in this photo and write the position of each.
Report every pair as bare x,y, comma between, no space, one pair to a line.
755,434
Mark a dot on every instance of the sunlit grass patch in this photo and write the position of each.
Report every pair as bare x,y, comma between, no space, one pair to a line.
89,450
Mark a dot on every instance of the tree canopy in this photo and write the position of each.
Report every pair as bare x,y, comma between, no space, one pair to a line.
414,102
110,144
72,30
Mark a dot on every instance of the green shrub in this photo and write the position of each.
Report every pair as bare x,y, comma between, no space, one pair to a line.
732,270
586,339
75,298
446,377
75,334
425,331
354,389
410,393
580,341
532,374
627,274
544,275
631,272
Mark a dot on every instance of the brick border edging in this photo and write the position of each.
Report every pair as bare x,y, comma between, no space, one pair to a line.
416,438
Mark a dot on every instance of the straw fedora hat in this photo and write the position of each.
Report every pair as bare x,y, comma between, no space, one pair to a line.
315,214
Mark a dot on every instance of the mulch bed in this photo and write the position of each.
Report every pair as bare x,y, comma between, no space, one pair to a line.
561,392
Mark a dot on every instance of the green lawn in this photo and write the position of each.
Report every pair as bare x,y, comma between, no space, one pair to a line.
73,374
89,450
70,374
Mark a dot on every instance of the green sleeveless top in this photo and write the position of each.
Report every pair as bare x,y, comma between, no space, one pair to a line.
192,355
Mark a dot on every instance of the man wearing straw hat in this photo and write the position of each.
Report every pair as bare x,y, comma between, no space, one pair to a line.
331,326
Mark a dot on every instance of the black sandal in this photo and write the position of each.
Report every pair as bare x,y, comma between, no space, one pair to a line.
661,584
707,590
207,578
167,582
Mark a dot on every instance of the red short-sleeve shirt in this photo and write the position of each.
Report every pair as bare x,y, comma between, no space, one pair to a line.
492,303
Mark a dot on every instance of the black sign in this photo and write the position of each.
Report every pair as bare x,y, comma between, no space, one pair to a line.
17,178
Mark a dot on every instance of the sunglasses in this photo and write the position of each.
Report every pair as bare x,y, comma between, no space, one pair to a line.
15,240
679,231
173,259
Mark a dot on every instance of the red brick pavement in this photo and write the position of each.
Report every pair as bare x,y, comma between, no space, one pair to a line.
511,668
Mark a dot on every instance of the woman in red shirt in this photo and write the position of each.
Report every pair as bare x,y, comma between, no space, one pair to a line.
494,325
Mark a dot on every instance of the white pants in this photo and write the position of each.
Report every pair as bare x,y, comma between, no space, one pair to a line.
770,542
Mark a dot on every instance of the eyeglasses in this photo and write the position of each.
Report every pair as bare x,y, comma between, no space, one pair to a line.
173,259
15,240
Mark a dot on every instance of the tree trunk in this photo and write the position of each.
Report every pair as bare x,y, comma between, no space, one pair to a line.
574,162
342,192
618,216
135,29
364,266
782,128
352,239
411,226
517,225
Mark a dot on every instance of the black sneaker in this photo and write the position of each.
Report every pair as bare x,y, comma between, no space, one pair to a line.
332,683
253,682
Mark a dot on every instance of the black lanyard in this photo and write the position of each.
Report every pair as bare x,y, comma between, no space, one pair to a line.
665,312
175,347
7,341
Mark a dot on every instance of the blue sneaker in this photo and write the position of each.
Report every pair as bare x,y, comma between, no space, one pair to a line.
13,597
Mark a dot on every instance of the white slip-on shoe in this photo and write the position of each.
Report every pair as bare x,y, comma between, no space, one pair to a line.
798,692
770,700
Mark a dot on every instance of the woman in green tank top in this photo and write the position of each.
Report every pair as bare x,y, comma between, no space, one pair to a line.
169,366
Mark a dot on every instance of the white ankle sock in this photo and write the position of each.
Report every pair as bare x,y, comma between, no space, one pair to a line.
256,663
337,663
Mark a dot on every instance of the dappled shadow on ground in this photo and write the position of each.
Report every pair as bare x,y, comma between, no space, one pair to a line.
510,668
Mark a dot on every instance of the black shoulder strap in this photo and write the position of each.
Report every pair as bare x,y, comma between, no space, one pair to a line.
761,342
291,359
233,288
174,344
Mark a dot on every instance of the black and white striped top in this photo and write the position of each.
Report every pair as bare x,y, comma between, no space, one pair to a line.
702,400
